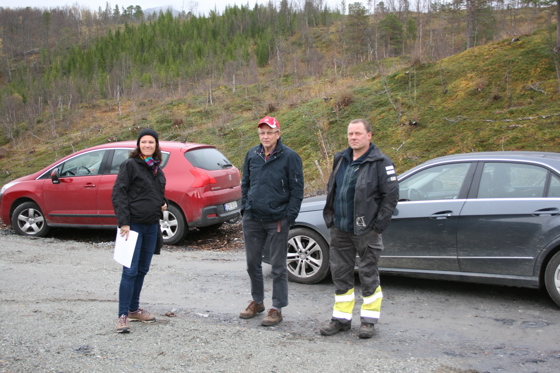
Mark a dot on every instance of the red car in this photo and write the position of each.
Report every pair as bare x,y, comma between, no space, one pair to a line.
203,189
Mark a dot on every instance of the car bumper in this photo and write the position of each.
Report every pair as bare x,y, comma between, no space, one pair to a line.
212,215
5,210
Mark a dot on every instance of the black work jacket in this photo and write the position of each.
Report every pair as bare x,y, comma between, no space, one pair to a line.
272,189
377,192
138,194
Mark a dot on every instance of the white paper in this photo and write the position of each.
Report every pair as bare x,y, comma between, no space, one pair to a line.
124,249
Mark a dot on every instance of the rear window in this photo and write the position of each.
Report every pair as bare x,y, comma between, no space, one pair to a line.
209,159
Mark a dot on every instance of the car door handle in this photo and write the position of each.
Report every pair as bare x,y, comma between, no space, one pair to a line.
441,215
89,185
551,211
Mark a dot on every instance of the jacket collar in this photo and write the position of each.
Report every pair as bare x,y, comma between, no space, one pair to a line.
372,154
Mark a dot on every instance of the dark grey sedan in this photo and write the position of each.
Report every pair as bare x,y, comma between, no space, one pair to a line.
491,218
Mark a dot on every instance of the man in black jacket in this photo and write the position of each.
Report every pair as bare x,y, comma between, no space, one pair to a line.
272,191
362,194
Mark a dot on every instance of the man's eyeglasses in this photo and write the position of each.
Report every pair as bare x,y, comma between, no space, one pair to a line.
267,133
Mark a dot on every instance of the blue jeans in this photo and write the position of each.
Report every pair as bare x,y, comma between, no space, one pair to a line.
133,278
256,235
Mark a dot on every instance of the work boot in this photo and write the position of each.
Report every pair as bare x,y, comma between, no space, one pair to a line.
334,327
252,309
122,324
274,317
366,330
141,315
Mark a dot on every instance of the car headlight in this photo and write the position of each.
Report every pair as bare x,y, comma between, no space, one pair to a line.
6,186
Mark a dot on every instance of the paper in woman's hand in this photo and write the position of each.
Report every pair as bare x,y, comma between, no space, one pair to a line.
124,248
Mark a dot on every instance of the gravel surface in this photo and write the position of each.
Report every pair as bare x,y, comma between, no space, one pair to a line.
58,299
59,304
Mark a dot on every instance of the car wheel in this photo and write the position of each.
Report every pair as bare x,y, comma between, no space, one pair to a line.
173,225
552,278
308,256
28,220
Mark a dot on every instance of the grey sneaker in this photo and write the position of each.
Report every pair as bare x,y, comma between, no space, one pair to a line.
122,324
366,330
334,327
141,315
273,318
252,309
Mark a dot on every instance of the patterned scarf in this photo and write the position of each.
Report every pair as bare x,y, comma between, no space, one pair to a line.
152,163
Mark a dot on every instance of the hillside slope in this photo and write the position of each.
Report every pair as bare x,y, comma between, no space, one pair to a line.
500,96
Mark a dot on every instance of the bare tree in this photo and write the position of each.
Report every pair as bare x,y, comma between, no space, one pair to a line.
471,15
557,48
230,69
11,109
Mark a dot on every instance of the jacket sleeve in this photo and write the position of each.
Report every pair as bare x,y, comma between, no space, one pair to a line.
245,182
296,187
389,192
120,195
328,210
163,183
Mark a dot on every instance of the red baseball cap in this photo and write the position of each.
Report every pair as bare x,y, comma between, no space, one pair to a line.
270,121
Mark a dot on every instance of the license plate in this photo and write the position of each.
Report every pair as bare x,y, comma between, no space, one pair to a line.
230,206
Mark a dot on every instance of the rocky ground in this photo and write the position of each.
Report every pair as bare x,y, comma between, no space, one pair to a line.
58,300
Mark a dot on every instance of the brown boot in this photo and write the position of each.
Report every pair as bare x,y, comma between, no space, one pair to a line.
122,324
252,309
274,317
141,315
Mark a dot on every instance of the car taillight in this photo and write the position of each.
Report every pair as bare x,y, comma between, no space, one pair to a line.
201,179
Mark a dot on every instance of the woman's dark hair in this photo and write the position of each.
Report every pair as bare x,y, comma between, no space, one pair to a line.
136,152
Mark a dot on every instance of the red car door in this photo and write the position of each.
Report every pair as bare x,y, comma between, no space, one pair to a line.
72,197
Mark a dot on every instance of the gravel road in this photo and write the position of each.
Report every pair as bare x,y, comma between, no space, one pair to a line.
58,300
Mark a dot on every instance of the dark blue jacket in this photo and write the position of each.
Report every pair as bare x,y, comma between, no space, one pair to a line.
272,190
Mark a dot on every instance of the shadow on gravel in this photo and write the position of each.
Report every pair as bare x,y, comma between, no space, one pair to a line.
444,290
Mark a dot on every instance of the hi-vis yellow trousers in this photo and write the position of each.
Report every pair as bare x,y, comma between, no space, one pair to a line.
369,312
343,250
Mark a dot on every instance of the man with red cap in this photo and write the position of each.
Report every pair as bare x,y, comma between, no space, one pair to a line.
272,191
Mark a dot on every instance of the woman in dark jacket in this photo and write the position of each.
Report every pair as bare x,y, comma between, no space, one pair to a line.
138,200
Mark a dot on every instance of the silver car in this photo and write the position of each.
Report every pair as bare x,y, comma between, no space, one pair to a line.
489,218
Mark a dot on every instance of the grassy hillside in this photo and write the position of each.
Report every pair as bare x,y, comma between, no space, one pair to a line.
500,96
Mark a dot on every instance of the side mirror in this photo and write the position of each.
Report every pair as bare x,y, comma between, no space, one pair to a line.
54,176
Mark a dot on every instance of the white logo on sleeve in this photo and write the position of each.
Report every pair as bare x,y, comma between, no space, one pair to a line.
390,170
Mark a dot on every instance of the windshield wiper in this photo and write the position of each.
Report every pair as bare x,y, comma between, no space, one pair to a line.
225,165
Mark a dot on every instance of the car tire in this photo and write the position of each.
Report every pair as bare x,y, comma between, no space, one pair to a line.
308,256
29,220
173,226
552,278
